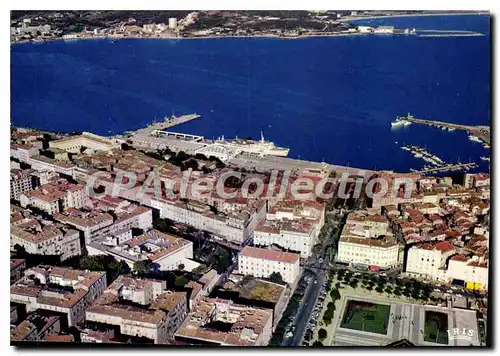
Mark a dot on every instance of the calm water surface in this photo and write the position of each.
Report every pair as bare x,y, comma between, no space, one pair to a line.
328,99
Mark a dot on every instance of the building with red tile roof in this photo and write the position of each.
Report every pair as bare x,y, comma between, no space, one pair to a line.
261,262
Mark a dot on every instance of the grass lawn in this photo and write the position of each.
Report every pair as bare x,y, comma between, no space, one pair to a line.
365,316
435,327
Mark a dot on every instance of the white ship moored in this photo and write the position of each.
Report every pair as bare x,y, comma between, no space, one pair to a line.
474,138
262,147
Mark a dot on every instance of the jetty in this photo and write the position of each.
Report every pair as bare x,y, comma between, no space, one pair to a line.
419,152
446,168
165,124
481,132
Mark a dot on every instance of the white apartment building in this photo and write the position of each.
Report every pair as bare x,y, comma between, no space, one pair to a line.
45,164
163,313
89,222
23,152
481,180
45,239
235,227
367,240
382,252
86,140
148,324
292,225
95,224
259,262
297,236
428,260
21,181
470,270
55,197
87,286
362,221
166,250
247,326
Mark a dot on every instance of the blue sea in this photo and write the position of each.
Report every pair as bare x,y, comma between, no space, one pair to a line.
327,98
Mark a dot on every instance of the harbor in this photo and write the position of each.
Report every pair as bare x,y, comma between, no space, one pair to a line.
482,133
437,164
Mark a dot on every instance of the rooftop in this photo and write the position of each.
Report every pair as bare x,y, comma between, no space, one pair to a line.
44,294
224,322
265,254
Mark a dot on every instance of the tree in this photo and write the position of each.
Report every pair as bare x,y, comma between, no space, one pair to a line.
142,267
180,267
111,265
276,278
317,343
20,251
335,294
221,260
246,278
354,283
322,334
181,281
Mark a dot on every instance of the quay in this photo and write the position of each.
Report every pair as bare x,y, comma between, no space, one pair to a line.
446,168
481,132
167,123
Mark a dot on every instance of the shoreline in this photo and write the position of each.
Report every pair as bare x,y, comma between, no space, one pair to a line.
340,34
114,37
376,17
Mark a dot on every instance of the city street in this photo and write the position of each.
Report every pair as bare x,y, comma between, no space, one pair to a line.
312,292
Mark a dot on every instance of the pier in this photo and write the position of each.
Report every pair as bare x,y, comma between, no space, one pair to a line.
419,152
162,125
481,132
446,168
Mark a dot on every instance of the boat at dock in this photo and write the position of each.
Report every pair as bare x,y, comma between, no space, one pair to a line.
419,152
397,123
485,158
402,120
474,138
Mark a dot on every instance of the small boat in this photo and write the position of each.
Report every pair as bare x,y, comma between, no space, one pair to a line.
474,138
397,123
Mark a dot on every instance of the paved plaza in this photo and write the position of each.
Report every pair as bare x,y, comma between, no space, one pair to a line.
406,321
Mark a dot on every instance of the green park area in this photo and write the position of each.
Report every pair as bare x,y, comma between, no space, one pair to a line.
436,324
365,316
